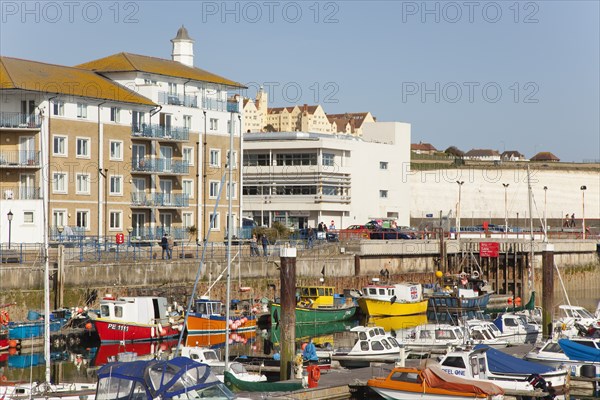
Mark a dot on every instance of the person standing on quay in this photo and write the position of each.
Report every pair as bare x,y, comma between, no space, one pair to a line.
265,244
254,246
164,243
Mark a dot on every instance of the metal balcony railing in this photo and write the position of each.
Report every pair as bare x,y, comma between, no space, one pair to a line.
177,99
20,193
160,200
20,158
233,107
160,165
214,104
19,120
155,131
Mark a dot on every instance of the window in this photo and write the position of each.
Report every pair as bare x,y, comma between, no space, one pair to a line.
188,188
59,146
116,185
213,190
59,217
119,311
188,155
383,165
83,148
234,159
234,188
59,182
187,219
83,184
81,110
383,194
83,219
114,114
214,124
256,159
58,108
116,150
215,158
214,222
296,159
115,218
28,217
376,346
328,159
455,362
187,121
172,88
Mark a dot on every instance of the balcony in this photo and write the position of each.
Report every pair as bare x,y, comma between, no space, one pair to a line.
214,104
177,99
20,159
160,165
15,120
166,200
20,193
159,132
148,233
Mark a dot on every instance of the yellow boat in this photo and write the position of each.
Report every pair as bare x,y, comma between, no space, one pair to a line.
398,323
392,300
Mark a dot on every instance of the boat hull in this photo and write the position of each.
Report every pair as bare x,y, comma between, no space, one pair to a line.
203,324
374,307
315,315
391,394
113,331
234,383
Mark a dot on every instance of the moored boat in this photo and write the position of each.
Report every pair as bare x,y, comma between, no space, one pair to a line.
129,319
433,337
234,382
208,318
517,328
392,300
371,344
431,383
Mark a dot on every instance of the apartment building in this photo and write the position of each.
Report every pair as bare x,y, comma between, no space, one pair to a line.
303,178
146,154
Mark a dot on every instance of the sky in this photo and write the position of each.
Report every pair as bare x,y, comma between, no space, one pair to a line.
503,75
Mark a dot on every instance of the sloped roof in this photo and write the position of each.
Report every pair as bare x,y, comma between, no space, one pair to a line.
512,153
128,62
279,110
545,156
422,146
481,153
41,77
357,117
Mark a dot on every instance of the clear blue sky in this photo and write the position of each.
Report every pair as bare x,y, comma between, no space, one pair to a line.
437,65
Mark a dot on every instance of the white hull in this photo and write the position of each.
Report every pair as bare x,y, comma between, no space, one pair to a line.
66,391
390,394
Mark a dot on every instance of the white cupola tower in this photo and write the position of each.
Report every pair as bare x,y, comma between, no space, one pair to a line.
183,47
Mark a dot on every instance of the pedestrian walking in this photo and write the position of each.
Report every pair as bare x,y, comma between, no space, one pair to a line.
254,247
164,243
265,244
170,247
573,220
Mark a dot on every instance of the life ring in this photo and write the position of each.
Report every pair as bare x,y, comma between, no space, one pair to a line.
475,274
315,374
4,318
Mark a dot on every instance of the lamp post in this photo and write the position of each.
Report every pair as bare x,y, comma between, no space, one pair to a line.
10,217
60,231
130,230
545,217
583,188
460,183
505,209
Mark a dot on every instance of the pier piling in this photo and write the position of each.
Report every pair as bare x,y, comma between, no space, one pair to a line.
288,310
547,289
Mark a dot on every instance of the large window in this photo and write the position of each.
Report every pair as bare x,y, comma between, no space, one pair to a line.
295,190
116,220
59,182
83,184
83,148
215,158
213,190
296,159
116,150
116,185
59,146
257,159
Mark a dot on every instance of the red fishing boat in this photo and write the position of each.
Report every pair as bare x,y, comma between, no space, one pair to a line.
129,319
144,350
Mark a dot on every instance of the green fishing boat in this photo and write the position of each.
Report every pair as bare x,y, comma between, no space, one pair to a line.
245,386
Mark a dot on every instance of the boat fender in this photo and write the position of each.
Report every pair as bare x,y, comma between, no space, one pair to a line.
152,332
160,330
4,318
475,274
315,374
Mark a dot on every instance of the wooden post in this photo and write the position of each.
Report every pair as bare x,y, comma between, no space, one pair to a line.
547,289
59,284
288,310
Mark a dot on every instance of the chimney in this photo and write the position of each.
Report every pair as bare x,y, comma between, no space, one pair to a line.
183,47
305,108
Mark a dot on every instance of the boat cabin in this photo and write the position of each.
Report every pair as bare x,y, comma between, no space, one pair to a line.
401,293
205,306
373,340
315,296
134,309
575,313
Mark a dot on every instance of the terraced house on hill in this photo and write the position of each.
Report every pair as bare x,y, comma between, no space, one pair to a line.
132,143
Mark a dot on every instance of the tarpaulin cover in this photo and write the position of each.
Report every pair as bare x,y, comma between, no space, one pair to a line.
436,378
506,364
579,352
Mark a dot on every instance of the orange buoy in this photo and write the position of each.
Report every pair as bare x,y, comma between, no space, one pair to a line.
13,343
509,300
88,326
518,301
12,351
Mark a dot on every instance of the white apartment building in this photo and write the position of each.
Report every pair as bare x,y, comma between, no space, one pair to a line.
301,179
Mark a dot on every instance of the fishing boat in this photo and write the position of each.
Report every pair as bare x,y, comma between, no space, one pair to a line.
399,323
463,296
178,378
517,328
218,340
431,383
208,319
108,352
233,382
433,337
129,319
485,332
510,373
320,334
392,300
316,305
370,344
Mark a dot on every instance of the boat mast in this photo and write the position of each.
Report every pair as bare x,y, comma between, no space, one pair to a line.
229,229
44,140
532,253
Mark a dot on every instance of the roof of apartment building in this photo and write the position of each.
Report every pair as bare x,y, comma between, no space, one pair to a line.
545,156
481,153
422,147
354,119
16,73
128,62
279,110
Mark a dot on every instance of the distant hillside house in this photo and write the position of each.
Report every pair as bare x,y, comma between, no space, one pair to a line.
545,156
423,148
482,155
513,155
349,123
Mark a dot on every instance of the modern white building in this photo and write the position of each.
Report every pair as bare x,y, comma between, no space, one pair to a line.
301,179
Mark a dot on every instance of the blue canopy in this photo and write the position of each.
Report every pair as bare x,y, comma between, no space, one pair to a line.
579,352
506,364
158,378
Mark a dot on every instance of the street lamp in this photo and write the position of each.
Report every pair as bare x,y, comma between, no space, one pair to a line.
10,217
545,217
460,183
583,188
130,230
505,209
60,231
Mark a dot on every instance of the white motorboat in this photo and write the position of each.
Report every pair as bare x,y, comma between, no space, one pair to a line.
506,371
551,353
433,337
484,332
371,344
575,320
61,391
210,357
517,328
